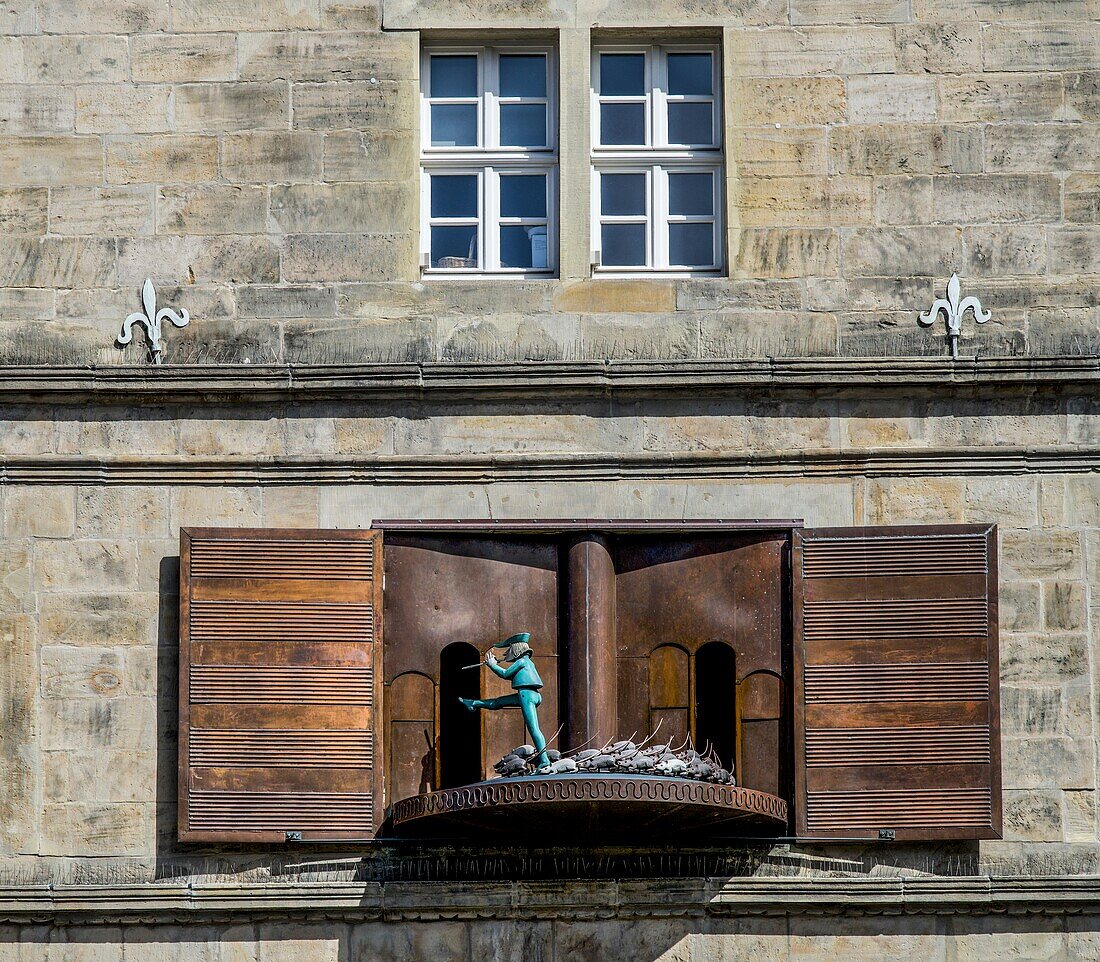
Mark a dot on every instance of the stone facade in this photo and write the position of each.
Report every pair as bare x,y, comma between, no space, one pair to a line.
259,160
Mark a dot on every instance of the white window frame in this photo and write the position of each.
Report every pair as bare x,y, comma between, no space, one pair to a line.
489,161
657,158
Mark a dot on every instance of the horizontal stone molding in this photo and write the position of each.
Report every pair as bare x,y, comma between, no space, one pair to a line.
242,383
396,901
483,469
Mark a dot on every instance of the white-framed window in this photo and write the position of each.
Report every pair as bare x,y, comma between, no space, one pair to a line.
657,167
488,160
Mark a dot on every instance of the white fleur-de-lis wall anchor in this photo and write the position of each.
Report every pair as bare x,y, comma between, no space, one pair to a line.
151,320
953,310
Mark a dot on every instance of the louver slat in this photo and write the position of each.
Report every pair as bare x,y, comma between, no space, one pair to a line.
896,699
279,701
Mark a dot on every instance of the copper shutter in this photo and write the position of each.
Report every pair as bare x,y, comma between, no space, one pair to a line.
896,714
280,664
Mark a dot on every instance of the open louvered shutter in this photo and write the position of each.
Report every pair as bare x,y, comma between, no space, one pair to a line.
896,710
280,661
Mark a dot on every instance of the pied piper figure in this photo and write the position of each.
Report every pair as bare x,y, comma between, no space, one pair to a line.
523,675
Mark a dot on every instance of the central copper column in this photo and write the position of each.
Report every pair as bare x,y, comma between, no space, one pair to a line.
592,699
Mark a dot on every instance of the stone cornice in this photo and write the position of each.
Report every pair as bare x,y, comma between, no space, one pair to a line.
478,468
397,901
240,383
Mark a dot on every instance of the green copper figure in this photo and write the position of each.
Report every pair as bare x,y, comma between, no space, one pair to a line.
523,675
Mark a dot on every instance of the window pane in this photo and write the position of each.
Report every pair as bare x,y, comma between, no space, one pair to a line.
622,194
523,195
522,75
690,123
622,74
523,247
454,246
691,194
622,124
454,125
454,76
689,73
691,245
523,125
623,245
454,196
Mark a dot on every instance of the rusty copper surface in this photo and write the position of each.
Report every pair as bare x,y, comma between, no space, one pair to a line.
590,807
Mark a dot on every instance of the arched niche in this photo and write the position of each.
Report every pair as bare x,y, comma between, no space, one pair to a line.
716,701
410,706
459,743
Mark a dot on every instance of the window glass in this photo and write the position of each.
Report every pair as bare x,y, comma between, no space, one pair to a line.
690,123
623,245
622,74
523,246
522,75
622,124
689,74
454,76
691,244
691,194
523,125
454,195
454,125
454,246
523,195
622,194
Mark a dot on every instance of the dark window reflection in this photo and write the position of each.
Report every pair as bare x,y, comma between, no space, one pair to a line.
623,245
523,247
454,76
622,74
522,75
454,195
454,246
622,194
523,195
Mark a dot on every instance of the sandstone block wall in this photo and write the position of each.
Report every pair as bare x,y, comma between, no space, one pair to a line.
259,161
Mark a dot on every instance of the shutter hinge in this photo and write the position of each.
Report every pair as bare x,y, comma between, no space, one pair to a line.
293,836
884,835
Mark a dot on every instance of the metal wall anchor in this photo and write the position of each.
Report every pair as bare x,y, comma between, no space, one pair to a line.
151,320
953,310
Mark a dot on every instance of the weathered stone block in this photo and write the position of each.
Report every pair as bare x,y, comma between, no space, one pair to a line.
214,435
92,16
23,210
1039,659
341,55
1042,46
1083,95
74,59
903,200
349,257
992,97
1041,554
997,10
1075,250
212,209
733,334
905,149
17,17
39,512
122,109
805,201
993,252
370,155
939,48
355,104
1079,815
1006,501
24,304
849,11
712,294
103,211
57,262
1031,763
197,507
286,301
638,335
211,16
1065,606
347,208
891,99
768,151
19,750
798,101
95,619
351,14
1001,198
602,297
290,507
269,156
897,251
183,58
716,431
1031,711
33,109
1019,605
365,436
1081,198
88,829
784,252
203,259
11,60
70,672
211,107
163,159
84,565
914,500
51,160
810,51
1034,816
1042,147
138,511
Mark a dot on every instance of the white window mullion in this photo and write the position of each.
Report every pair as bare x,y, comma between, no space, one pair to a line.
658,222
657,84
